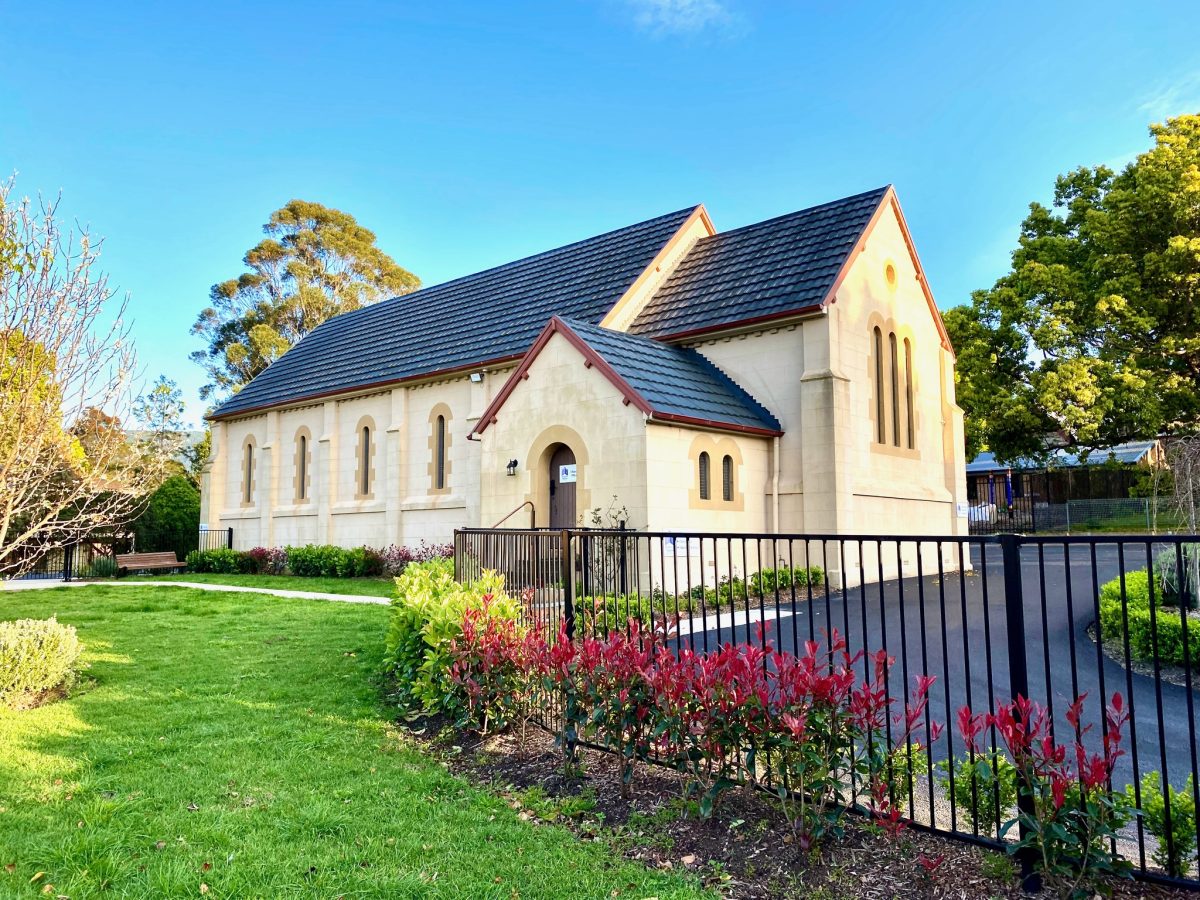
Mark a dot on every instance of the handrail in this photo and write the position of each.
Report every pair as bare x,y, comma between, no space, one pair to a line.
532,514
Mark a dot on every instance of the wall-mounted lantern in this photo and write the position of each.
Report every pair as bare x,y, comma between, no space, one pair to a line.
512,466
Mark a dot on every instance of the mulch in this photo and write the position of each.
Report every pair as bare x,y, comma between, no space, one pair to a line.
745,851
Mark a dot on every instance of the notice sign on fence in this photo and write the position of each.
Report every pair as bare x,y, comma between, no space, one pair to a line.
566,474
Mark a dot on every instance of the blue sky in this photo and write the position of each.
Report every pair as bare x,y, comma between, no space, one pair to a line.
469,134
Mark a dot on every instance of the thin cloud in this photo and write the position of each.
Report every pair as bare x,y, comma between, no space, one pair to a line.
667,17
1180,95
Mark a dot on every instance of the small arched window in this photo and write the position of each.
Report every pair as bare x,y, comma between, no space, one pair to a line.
909,398
703,474
302,467
727,478
439,438
248,473
880,420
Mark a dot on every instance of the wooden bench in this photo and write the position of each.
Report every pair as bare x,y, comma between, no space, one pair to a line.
134,561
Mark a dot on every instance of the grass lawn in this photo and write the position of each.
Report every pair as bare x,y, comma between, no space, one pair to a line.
373,587
233,745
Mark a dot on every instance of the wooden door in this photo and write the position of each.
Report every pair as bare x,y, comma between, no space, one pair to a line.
562,488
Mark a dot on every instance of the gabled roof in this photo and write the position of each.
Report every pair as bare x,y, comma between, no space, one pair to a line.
667,383
781,267
482,318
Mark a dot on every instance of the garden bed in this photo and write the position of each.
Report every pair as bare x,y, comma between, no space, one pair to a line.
745,850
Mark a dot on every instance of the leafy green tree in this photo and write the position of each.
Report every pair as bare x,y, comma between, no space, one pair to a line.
1094,334
171,519
196,455
159,411
315,263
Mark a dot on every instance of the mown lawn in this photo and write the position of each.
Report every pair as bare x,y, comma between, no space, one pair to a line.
233,745
372,587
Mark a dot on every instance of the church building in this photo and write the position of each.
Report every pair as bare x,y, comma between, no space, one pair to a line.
792,376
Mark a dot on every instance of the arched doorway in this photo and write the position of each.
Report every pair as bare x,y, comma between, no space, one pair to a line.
562,487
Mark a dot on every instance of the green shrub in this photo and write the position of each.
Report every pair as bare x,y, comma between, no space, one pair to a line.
221,561
906,762
100,567
598,616
767,581
975,797
38,658
426,615
326,561
171,518
1176,858
1163,638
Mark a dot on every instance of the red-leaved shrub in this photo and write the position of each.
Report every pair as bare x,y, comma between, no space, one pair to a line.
1075,813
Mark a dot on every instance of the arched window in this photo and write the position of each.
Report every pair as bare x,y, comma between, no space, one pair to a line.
302,467
727,478
880,420
704,492
439,439
910,413
248,472
895,359
364,461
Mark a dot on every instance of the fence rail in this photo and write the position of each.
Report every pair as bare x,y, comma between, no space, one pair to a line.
1030,515
990,616
95,556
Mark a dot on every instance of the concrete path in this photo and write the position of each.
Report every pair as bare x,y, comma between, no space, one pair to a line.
41,584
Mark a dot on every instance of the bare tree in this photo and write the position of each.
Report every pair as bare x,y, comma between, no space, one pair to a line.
1183,453
66,372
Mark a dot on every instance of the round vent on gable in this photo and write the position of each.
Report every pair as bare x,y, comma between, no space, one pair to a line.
889,273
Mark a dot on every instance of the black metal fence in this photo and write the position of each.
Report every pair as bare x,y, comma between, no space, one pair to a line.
994,617
95,556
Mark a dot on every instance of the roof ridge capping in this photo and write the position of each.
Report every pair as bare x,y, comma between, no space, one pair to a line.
882,191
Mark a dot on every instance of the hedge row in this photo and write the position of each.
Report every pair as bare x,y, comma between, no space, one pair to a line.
315,560
1160,635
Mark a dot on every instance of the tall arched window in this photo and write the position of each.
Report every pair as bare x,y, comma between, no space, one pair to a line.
302,467
895,360
248,472
880,419
703,474
439,438
727,478
364,461
910,413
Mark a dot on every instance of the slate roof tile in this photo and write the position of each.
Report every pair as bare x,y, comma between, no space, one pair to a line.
770,268
490,315
674,380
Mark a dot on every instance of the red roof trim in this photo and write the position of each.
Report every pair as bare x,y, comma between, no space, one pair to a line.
737,323
590,356
890,201
362,388
680,419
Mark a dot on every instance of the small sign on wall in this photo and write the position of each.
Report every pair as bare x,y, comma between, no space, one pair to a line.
566,474
962,509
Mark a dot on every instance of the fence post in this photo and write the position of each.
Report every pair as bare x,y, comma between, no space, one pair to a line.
623,561
568,565
1018,686
229,538
68,561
